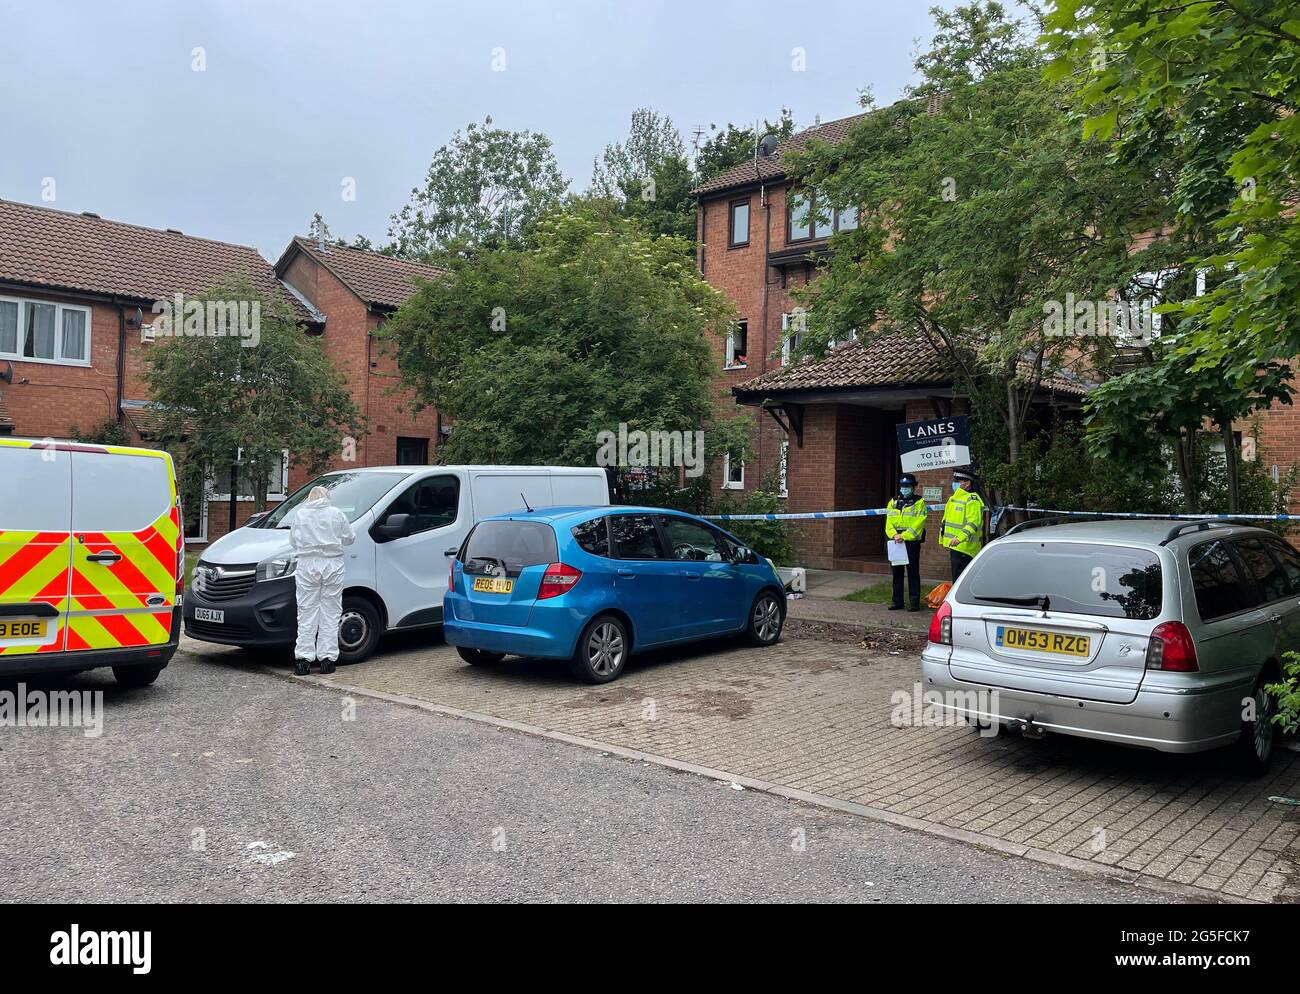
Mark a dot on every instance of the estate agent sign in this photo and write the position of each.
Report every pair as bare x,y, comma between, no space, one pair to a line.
940,444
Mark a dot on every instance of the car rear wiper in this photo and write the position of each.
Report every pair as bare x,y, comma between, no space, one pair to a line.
1040,601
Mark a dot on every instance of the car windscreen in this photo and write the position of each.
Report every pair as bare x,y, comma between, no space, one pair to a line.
1110,581
352,493
508,545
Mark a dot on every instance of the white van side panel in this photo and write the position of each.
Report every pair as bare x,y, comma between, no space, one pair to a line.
589,486
497,493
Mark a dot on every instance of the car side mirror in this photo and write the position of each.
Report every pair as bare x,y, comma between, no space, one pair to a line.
394,526
255,518
450,552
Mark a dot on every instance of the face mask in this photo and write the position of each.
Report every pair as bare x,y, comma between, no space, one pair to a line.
905,491
955,486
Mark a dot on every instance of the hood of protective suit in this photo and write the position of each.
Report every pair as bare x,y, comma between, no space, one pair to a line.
319,528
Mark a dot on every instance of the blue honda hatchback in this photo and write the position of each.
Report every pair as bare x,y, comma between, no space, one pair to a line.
594,584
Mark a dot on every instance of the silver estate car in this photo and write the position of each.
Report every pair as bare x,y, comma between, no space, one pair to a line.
1142,633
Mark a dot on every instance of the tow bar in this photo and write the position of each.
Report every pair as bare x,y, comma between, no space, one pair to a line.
1026,728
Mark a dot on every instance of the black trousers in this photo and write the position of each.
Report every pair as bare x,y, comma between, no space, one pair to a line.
959,562
913,570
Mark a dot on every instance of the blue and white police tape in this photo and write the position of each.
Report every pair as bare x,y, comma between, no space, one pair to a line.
866,512
1160,517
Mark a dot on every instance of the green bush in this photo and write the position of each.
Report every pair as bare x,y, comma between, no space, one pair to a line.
768,538
1287,693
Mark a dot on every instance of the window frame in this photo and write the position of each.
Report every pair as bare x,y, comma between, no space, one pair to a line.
727,482
729,359
747,203
282,494
1245,574
810,229
24,303
719,539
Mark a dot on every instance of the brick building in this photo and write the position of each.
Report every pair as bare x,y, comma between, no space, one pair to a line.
76,302
825,432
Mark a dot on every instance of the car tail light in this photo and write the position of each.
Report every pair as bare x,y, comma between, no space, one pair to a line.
941,625
451,575
1172,649
558,579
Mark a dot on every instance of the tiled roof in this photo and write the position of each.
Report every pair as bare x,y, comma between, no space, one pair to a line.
147,419
772,167
884,361
88,254
378,279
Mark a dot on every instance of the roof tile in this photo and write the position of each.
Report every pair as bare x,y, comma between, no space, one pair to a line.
773,167
378,279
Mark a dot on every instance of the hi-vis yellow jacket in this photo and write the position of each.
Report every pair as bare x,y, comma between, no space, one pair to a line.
905,520
963,522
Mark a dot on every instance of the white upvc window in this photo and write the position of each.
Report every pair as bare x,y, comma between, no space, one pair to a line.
278,488
784,468
44,331
733,473
791,335
738,346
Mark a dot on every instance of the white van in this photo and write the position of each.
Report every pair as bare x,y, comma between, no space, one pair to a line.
409,520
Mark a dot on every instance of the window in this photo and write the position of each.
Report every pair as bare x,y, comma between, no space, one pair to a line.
784,470
412,451
634,536
733,473
352,493
42,331
1220,588
792,329
431,503
809,219
277,485
691,540
1263,568
115,493
1068,573
36,491
1289,560
593,536
509,546
738,233
738,346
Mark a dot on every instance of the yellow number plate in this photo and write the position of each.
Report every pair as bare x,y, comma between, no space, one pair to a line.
493,585
1055,642
22,629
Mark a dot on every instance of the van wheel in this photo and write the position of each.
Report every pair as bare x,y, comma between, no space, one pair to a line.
602,650
359,630
766,618
479,657
1255,747
136,676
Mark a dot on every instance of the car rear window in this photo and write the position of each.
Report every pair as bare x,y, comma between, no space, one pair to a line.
512,545
1109,581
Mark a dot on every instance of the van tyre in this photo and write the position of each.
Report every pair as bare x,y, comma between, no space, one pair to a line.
602,650
479,657
1258,737
136,676
359,630
766,619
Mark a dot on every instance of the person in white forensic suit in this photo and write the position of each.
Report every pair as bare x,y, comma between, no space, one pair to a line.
317,534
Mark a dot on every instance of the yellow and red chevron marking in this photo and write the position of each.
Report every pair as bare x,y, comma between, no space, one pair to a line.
34,570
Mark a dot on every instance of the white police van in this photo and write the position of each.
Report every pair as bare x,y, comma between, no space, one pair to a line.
409,521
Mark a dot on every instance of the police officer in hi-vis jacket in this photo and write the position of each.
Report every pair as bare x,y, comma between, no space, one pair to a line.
905,522
963,522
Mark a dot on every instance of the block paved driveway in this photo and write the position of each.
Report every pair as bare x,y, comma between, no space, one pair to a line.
814,714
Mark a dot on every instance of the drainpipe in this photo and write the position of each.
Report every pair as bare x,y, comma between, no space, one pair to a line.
121,362
767,246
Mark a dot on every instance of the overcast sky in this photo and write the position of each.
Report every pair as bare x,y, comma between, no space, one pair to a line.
104,99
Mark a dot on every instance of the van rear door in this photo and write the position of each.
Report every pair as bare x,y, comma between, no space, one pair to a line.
125,557
35,546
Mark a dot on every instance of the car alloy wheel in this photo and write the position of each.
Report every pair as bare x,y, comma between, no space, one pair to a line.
767,619
605,649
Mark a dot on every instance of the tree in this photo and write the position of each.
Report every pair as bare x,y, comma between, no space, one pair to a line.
1224,76
980,206
241,397
485,188
647,176
532,352
733,145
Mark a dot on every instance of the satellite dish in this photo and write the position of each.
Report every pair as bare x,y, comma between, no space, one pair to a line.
7,372
767,146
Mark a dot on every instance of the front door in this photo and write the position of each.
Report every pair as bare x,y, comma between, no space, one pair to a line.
411,569
714,589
